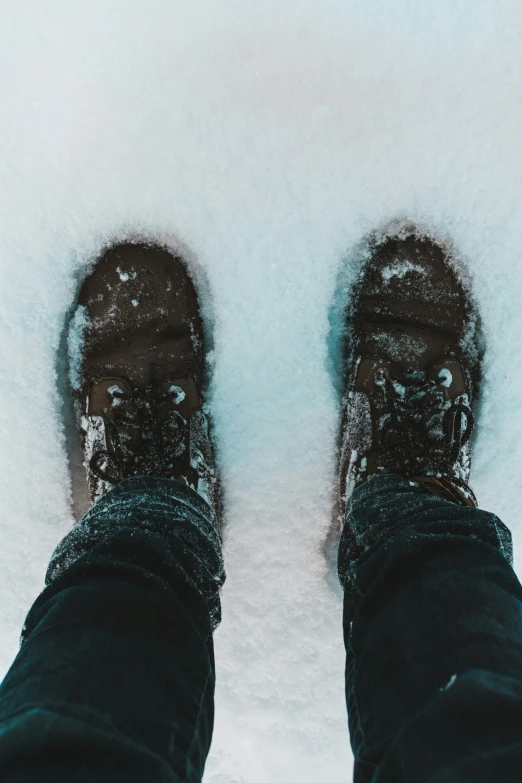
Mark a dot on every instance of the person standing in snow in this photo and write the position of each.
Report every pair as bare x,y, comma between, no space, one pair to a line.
115,676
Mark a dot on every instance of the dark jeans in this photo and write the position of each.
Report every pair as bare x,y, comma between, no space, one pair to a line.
115,677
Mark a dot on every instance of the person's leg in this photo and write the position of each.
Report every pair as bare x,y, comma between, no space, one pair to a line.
115,676
432,617
433,634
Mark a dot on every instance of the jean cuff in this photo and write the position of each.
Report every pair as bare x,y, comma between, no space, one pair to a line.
387,504
179,521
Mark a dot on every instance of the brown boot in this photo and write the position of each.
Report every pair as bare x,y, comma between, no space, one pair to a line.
414,368
139,377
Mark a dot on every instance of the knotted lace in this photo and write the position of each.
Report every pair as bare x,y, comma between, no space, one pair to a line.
419,427
144,435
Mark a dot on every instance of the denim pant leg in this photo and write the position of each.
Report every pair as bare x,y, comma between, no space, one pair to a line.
433,635
115,677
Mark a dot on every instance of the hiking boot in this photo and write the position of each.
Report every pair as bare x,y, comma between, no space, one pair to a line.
414,369
137,370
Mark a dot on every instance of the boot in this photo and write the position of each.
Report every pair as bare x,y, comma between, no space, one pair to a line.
138,376
414,369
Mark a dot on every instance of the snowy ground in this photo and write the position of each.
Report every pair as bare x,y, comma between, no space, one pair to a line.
268,136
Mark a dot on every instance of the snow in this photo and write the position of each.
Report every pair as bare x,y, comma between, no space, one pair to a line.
125,276
75,333
400,270
263,140
445,377
177,393
452,680
116,393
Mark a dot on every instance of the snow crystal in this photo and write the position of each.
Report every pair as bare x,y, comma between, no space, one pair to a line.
124,276
445,377
401,269
452,680
75,338
116,392
178,394
400,346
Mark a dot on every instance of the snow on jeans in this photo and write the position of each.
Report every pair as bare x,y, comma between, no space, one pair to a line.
115,677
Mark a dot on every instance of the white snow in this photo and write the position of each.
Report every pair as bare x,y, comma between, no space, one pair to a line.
264,140
124,276
178,394
74,344
400,270
116,393
452,680
445,377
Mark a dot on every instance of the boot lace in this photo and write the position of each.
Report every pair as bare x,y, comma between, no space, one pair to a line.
144,435
419,427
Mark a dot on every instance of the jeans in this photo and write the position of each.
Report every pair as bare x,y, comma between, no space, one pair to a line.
115,677
433,635
114,680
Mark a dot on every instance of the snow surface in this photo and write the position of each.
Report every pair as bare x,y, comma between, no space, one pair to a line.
268,137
